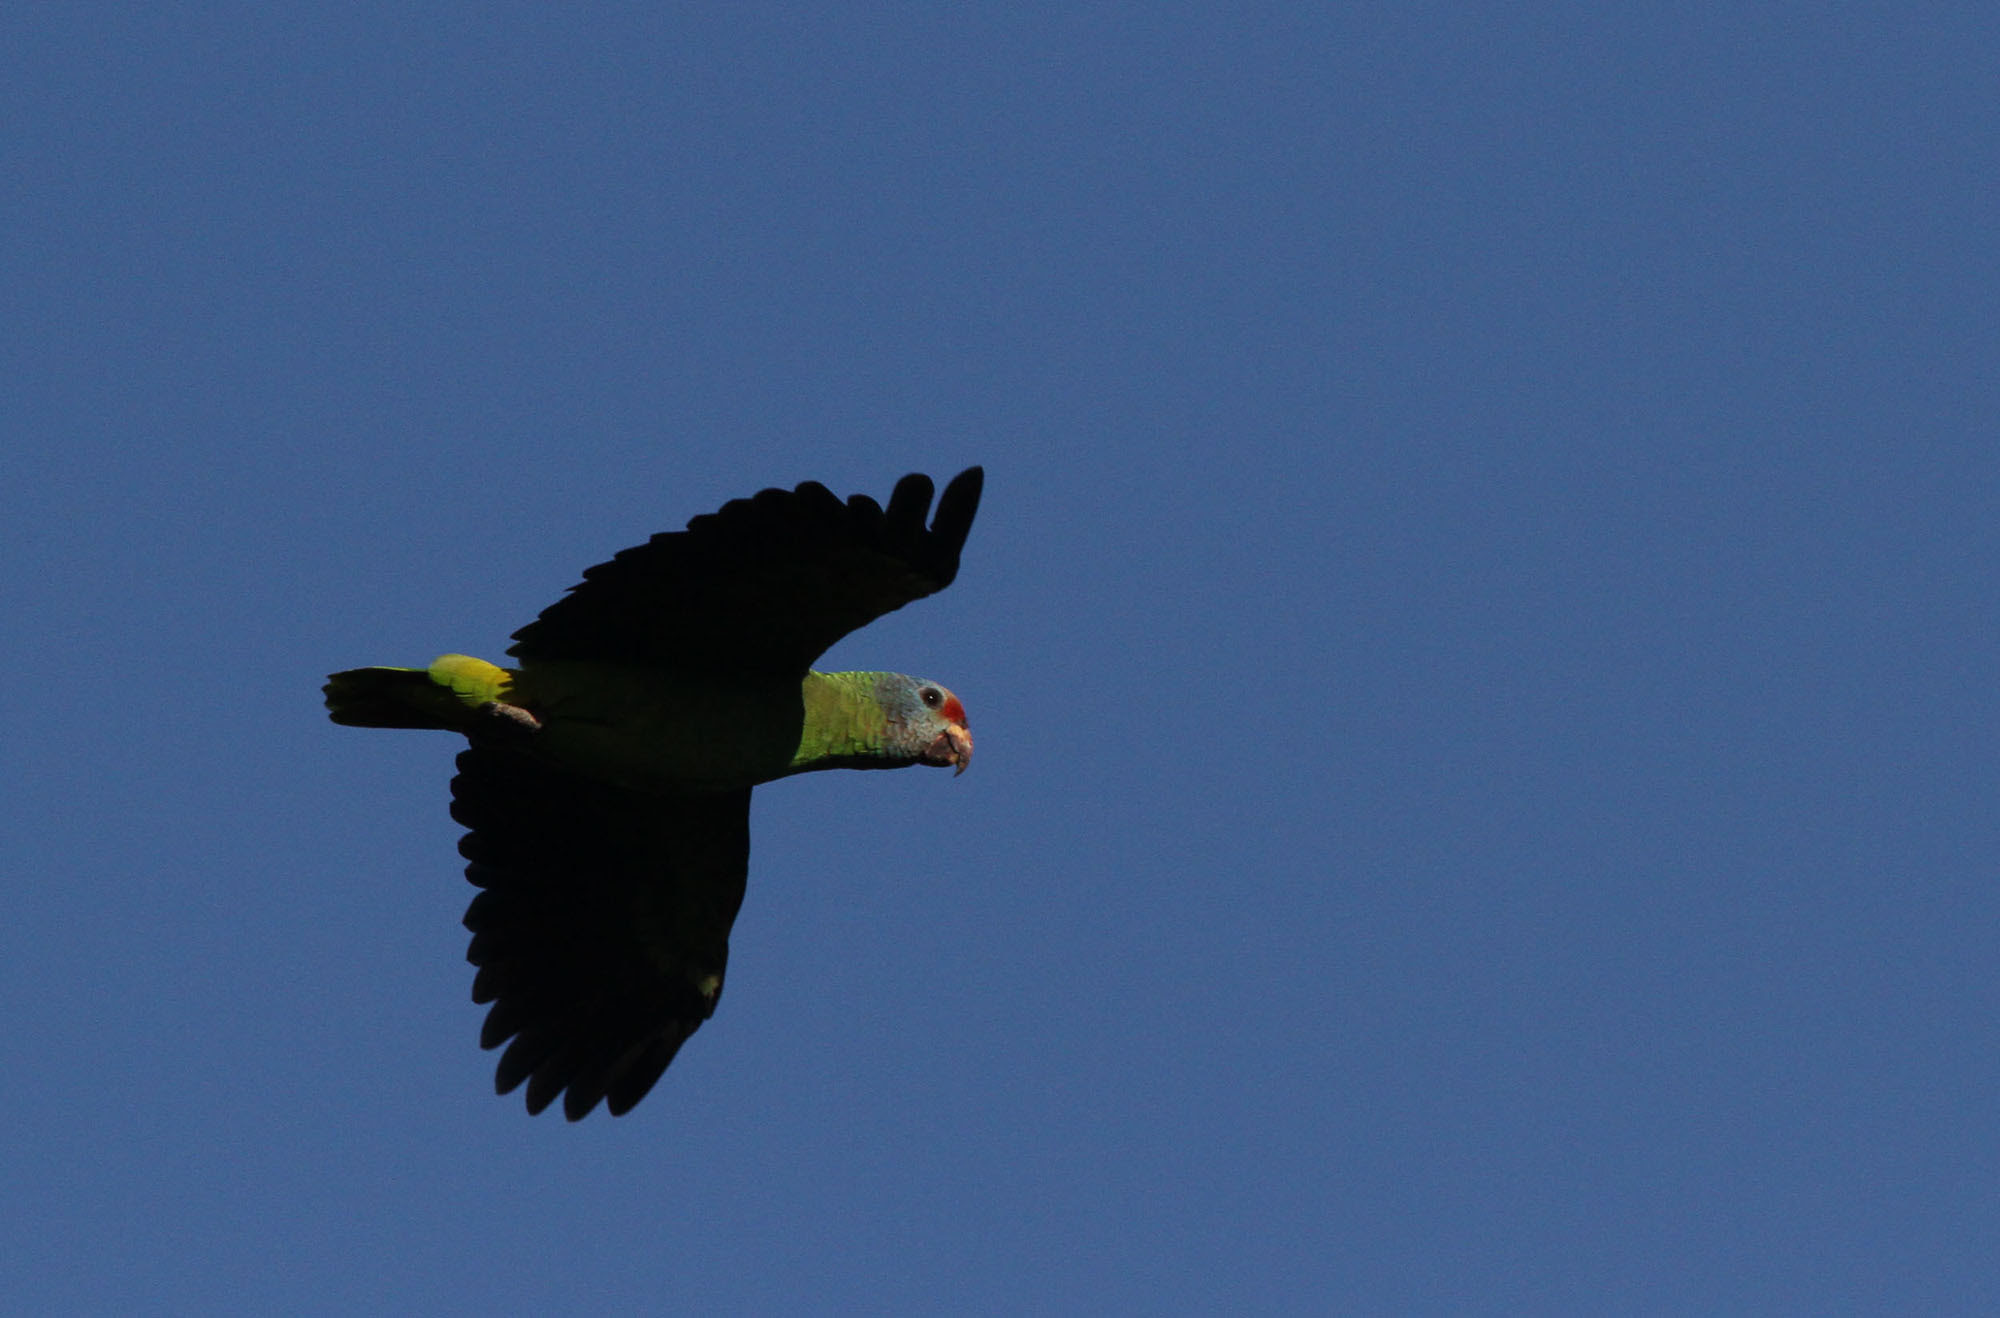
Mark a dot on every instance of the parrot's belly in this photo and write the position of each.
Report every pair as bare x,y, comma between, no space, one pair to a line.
651,730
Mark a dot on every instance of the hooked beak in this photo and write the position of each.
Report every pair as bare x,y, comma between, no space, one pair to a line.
953,746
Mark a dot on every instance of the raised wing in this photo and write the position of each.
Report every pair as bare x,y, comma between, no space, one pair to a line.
765,585
602,931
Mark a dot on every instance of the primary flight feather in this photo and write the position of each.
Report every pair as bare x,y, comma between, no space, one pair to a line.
606,787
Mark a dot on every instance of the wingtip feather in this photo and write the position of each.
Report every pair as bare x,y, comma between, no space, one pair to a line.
957,506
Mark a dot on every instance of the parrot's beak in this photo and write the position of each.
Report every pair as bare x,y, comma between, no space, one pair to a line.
953,746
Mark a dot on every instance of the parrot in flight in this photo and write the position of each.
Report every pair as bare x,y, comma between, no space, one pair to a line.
606,786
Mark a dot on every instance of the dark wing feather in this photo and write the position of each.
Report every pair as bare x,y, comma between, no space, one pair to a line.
765,585
602,930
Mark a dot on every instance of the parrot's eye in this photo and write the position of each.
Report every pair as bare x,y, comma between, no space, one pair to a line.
931,697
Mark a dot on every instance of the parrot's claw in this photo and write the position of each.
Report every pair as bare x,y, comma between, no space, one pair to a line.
514,714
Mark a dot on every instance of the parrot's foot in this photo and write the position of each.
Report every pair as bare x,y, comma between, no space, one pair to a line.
520,719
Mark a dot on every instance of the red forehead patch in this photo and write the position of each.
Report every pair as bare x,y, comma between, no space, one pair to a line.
952,710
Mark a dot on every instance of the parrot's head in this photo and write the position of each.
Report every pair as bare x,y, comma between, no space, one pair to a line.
926,722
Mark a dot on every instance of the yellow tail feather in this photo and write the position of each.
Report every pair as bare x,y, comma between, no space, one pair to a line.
441,696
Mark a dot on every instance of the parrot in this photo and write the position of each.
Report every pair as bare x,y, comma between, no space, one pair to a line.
605,784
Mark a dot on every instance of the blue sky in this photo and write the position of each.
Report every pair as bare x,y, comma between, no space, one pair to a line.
1480,637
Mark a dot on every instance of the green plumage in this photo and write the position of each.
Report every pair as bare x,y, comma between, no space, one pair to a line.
607,783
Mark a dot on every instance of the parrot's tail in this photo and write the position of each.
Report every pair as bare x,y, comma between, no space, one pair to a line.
444,696
391,698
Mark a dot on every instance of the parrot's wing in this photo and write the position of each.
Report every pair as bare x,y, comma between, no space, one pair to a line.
602,932
763,586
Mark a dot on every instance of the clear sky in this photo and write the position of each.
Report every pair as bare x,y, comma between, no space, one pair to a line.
1481,639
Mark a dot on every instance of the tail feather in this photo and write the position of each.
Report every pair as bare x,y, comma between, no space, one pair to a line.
392,698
